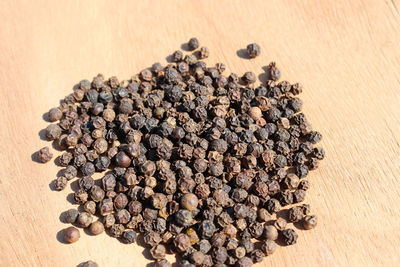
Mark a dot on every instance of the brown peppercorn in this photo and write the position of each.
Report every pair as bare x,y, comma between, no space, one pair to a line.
158,252
53,132
204,53
108,220
84,219
289,236
55,114
280,224
148,168
122,216
96,193
182,242
177,56
193,43
249,77
90,207
96,228
240,252
230,230
122,160
273,72
270,232
189,201
71,234
100,145
116,230
292,181
268,247
71,140
108,115
309,222
44,154
257,255
255,113
106,207
295,214
120,201
60,183
219,254
159,200
253,50
197,258
152,238
80,196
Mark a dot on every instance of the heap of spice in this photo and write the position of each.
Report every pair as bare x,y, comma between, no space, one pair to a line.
198,162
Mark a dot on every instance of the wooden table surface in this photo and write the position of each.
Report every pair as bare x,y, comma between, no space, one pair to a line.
346,54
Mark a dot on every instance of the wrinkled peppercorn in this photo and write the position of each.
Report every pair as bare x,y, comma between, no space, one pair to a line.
193,43
289,236
309,222
45,155
253,50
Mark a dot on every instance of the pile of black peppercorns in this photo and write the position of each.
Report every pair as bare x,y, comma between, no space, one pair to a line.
199,163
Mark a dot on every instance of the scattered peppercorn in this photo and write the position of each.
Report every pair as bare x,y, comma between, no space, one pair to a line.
309,222
44,154
193,43
71,234
96,228
253,50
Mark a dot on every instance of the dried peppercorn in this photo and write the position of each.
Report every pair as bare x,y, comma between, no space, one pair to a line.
295,214
257,255
253,50
44,154
84,219
70,215
280,224
71,234
309,222
197,258
268,247
55,114
189,201
90,207
244,262
181,242
96,228
193,43
289,236
158,251
116,230
204,53
270,232
61,183
219,254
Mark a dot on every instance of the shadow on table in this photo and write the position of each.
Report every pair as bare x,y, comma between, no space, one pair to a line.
242,53
264,77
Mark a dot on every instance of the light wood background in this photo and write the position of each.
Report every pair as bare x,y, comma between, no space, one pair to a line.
346,54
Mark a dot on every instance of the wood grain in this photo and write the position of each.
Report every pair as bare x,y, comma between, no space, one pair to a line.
346,53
